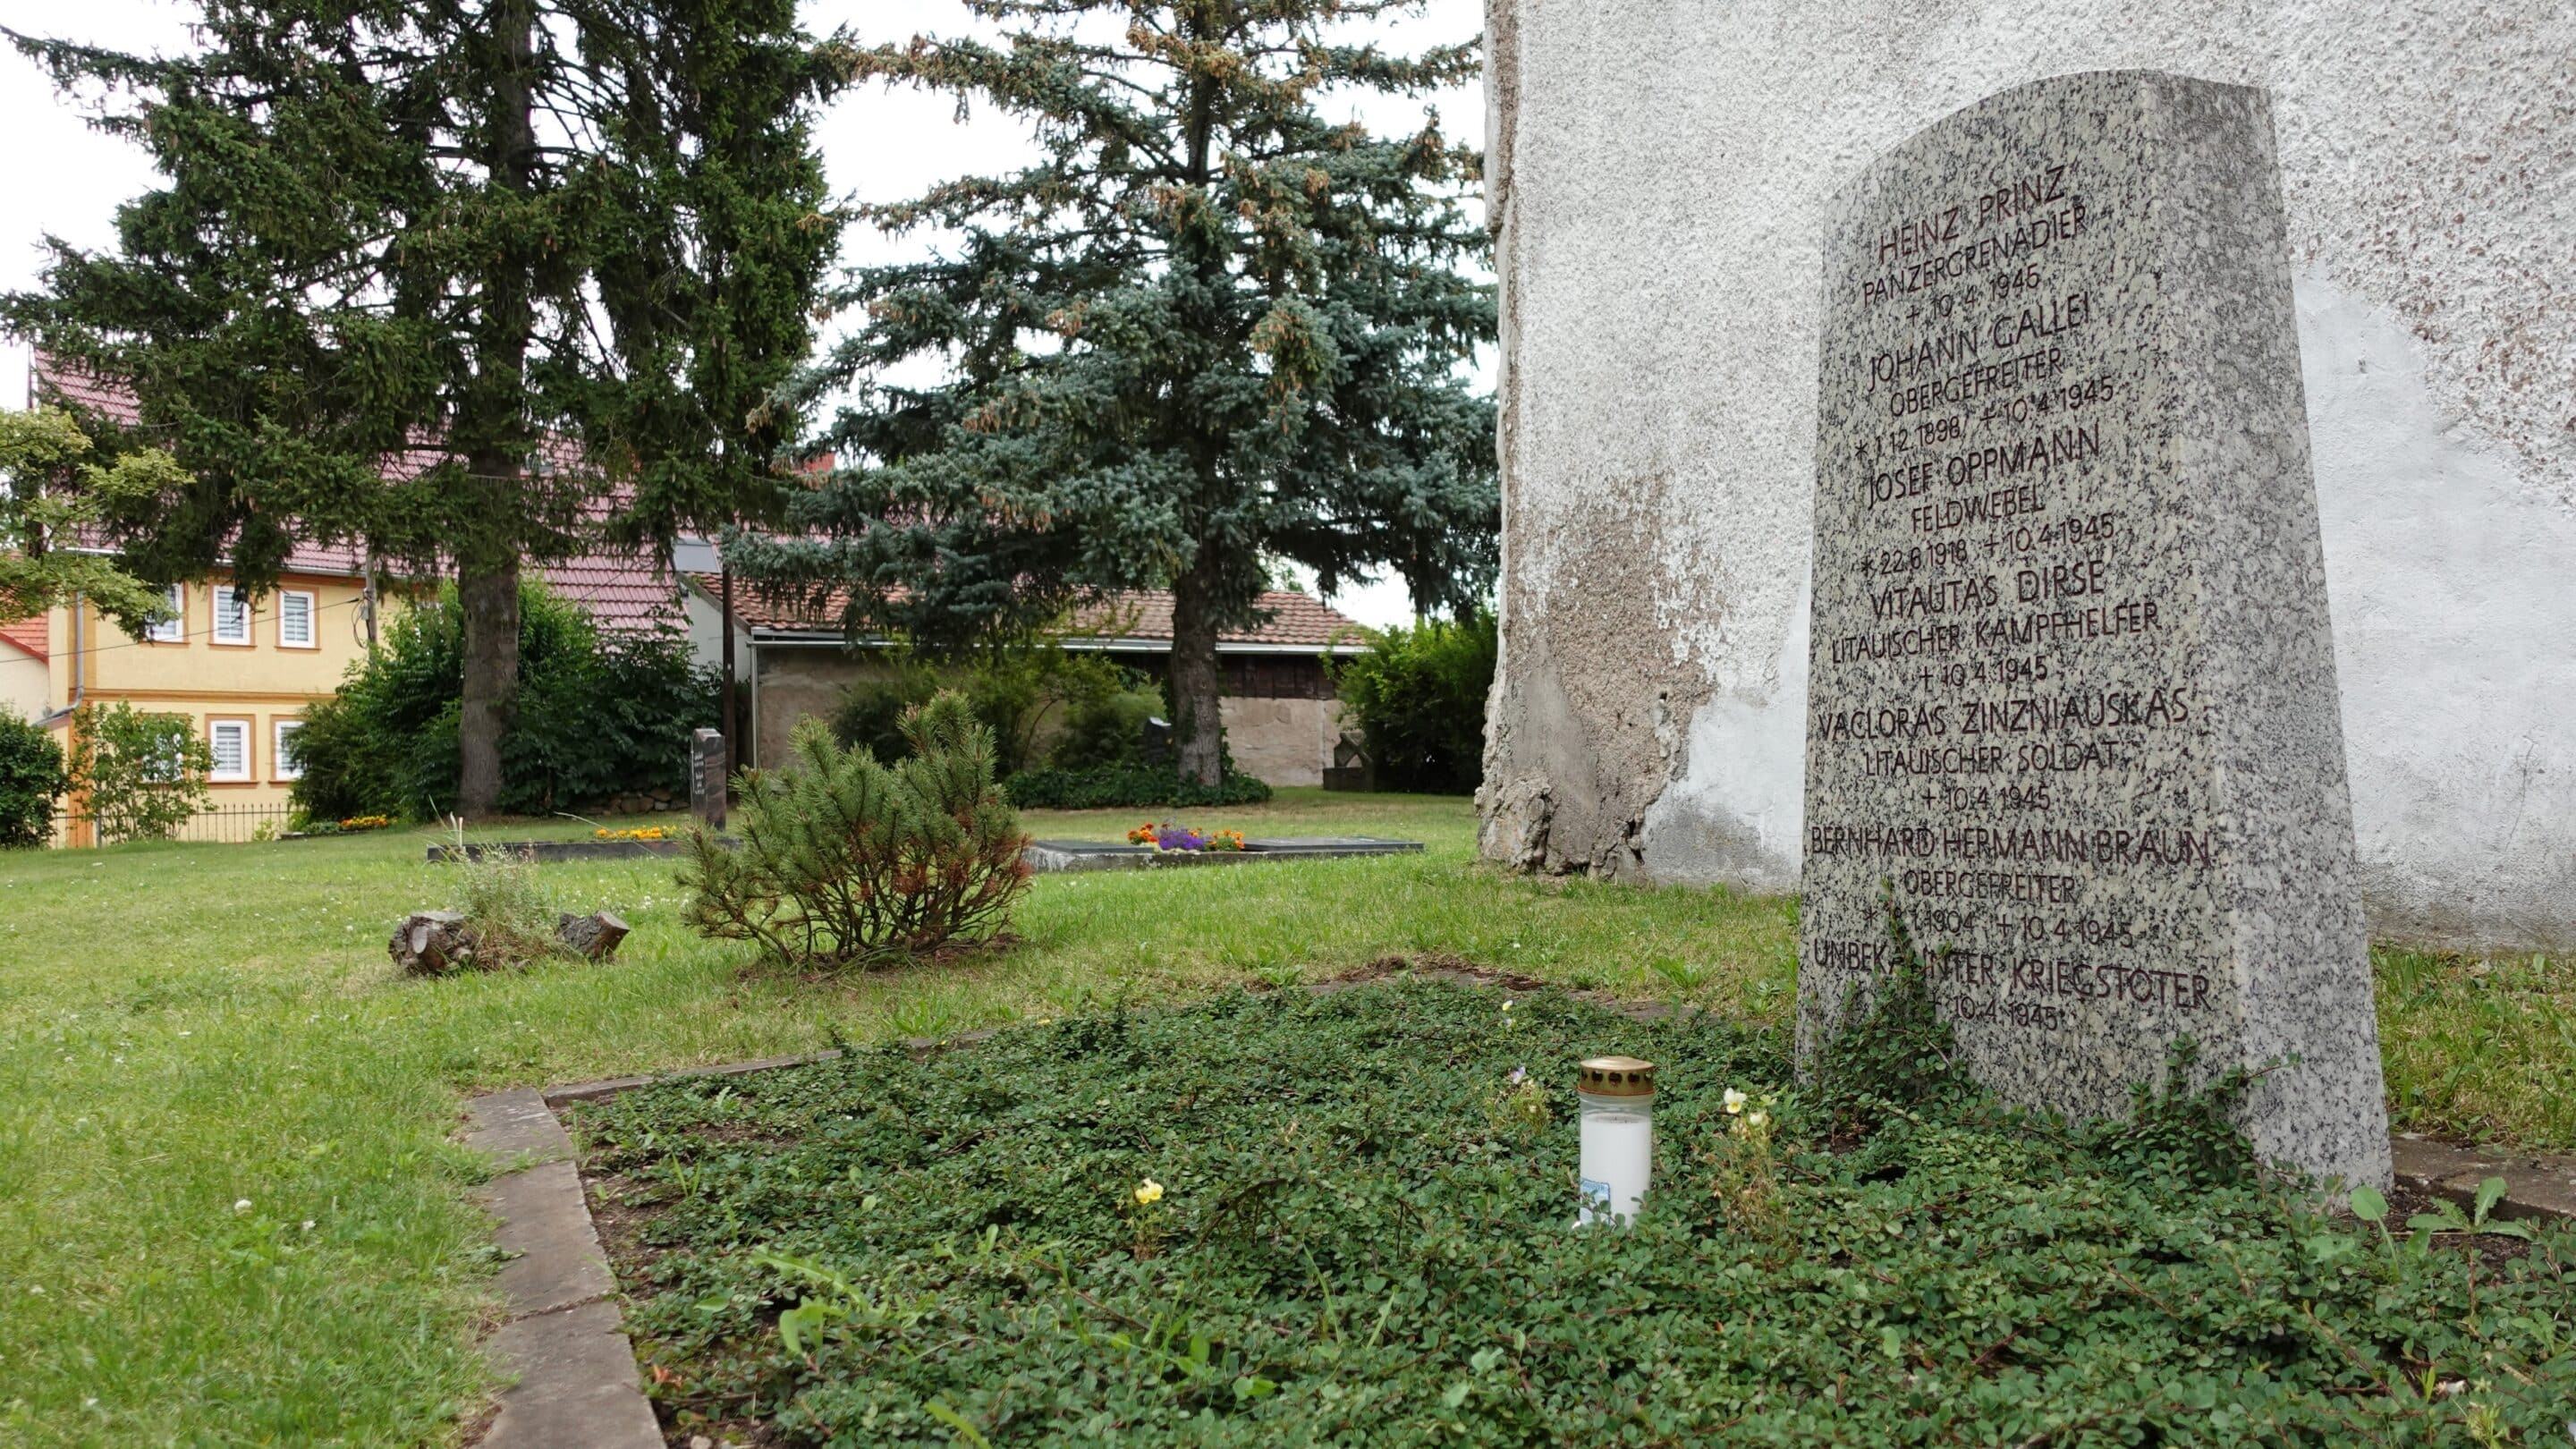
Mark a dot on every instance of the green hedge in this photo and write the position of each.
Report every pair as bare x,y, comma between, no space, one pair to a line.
1418,698
31,779
1111,787
598,716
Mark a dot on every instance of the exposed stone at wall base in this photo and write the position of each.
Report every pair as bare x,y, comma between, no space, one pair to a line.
1574,756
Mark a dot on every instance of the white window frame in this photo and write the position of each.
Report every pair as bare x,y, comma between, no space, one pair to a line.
249,766
312,619
221,594
282,764
175,631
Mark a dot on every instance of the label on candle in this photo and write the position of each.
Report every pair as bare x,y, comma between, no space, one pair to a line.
1618,1153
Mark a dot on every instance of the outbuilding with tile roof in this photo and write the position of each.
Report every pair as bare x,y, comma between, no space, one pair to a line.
1282,719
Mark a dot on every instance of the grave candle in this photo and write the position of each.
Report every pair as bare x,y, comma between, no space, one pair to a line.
1616,1098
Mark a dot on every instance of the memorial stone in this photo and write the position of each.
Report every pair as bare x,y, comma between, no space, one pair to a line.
2072,692
708,768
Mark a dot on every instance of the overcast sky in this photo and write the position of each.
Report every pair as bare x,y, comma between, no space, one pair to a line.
59,177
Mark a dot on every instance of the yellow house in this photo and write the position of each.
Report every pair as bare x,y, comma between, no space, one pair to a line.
240,670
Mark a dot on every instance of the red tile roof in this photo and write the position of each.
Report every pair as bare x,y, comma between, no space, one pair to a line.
1142,615
627,592
83,391
27,634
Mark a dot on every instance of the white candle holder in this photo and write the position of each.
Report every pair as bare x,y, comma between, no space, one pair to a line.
1616,1101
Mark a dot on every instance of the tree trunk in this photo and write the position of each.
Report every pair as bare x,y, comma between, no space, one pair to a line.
487,558
1199,723
490,594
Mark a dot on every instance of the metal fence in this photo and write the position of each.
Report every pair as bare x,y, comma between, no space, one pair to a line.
213,825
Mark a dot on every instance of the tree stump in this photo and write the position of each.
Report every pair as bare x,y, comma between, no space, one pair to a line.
432,943
594,937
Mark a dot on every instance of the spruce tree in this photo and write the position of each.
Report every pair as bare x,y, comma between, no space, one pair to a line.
1209,329
470,284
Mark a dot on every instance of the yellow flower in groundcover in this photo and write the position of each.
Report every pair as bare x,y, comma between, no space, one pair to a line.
1148,1191
1735,1101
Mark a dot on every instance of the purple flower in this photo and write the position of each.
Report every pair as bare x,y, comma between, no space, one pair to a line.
1519,1075
1180,837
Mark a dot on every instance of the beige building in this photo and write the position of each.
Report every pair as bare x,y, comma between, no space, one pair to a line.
23,676
1282,717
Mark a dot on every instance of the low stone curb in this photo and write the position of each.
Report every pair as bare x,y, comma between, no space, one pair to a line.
1044,856
1050,856
579,1386
563,1335
543,851
2534,1186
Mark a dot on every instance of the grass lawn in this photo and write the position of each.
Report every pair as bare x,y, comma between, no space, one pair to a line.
204,1048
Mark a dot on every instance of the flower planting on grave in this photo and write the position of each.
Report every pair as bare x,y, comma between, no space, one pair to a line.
1280,1217
350,825
1164,835
846,862
641,832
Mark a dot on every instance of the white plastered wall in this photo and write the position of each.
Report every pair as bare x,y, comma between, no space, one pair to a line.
1656,167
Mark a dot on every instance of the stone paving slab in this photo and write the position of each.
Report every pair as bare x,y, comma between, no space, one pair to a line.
577,1385
2534,1186
516,1125
556,1259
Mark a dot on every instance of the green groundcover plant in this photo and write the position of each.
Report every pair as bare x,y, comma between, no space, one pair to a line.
1279,1219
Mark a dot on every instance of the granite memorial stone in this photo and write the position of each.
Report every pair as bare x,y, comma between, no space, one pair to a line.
2072,693
708,768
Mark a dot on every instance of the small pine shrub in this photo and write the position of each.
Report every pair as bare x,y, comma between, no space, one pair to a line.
846,861
32,778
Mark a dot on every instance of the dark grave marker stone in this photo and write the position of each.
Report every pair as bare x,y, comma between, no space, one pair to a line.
708,768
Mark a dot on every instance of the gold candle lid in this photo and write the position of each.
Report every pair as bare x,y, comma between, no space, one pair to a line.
1616,1077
